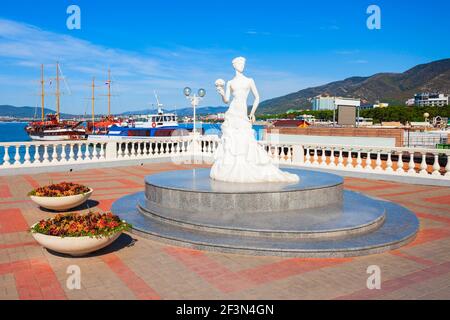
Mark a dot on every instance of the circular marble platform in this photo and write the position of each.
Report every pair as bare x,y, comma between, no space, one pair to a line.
314,217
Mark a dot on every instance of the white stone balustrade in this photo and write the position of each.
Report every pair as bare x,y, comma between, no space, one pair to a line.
413,162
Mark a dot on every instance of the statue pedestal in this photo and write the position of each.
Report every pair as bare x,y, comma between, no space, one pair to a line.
312,218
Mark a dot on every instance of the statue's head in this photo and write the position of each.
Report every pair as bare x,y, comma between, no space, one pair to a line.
239,64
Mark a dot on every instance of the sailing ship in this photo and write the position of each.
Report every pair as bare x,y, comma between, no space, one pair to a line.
102,126
51,127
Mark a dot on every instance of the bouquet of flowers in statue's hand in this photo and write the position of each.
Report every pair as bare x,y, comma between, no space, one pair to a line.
220,86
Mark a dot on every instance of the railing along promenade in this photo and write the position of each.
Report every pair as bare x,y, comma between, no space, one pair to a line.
408,162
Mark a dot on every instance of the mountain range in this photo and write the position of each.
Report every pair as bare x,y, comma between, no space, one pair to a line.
394,88
27,112
32,112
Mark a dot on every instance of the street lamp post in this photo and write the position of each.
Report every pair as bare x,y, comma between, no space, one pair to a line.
195,101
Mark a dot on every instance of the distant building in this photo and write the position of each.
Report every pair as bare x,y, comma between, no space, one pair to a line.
431,100
325,102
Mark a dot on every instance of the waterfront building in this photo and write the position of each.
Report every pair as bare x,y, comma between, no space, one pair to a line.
431,100
325,102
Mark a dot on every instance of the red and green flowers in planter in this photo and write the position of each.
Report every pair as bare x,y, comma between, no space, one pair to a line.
92,225
63,189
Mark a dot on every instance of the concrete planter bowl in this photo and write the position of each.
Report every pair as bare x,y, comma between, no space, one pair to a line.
74,246
62,203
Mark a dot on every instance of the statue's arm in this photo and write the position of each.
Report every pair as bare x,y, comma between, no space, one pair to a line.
227,94
256,95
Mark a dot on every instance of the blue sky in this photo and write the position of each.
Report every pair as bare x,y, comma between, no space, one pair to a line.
166,45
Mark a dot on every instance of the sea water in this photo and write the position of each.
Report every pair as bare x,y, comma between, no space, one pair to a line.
15,132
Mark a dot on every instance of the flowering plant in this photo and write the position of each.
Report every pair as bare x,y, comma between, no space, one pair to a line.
62,189
93,224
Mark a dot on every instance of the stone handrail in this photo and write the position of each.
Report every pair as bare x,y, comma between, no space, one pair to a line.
417,162
414,162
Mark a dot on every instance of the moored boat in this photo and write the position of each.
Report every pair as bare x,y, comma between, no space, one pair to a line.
54,130
51,128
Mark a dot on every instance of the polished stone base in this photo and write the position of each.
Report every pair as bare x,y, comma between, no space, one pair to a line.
179,208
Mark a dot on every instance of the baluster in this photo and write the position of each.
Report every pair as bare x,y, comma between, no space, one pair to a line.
281,153
6,157
126,150
332,159
316,157
86,153
101,155
133,152
389,163
436,166
140,151
27,155
63,153
121,150
51,153
368,167
324,158
17,156
144,149
378,163
71,154
166,147
307,157
98,151
341,159
349,160
45,157
400,164
170,147
359,161
423,165
412,165
93,151
151,147
78,153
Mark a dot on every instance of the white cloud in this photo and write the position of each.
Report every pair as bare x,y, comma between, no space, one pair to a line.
24,47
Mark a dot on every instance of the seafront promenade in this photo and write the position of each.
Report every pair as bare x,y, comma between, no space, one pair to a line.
138,268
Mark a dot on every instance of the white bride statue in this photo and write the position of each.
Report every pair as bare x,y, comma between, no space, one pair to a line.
239,157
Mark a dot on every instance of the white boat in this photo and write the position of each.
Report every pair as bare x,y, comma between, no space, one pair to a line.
159,120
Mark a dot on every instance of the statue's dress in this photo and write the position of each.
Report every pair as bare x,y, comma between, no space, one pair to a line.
239,157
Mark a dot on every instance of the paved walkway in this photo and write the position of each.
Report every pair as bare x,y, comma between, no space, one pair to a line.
137,268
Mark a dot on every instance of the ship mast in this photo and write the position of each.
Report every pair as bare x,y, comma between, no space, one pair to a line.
93,104
109,92
58,93
42,93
